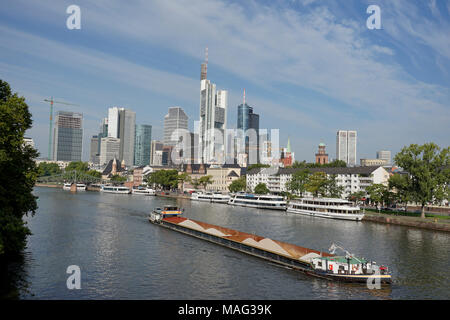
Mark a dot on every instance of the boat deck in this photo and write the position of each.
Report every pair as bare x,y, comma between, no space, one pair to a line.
288,250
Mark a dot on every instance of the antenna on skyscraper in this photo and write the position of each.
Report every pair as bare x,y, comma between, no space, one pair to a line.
244,98
204,67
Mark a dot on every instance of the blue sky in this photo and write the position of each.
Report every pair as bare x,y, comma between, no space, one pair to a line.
309,67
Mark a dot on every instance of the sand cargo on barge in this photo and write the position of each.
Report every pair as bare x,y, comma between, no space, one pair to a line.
312,262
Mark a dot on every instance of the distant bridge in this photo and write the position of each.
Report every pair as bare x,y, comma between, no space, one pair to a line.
72,176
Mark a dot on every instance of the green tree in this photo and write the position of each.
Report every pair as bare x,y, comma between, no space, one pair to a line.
165,179
18,172
398,184
332,190
261,188
118,179
298,182
428,176
94,173
182,178
356,196
238,185
376,192
205,180
79,166
48,169
317,184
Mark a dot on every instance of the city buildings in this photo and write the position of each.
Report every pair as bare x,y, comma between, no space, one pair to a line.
346,146
287,156
121,125
213,120
156,148
373,162
175,123
248,133
127,128
142,145
68,136
352,179
94,154
110,148
321,155
385,155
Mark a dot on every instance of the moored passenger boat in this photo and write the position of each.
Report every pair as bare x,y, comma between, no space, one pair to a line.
143,191
218,197
80,186
326,208
312,262
258,201
202,196
115,189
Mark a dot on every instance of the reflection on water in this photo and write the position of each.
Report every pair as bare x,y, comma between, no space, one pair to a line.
122,256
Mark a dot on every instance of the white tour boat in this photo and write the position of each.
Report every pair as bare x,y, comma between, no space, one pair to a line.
262,201
218,197
80,186
115,189
143,191
326,208
202,196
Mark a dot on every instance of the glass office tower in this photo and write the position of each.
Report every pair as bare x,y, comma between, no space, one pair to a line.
142,145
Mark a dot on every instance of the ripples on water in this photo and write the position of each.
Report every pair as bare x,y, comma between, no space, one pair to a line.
122,256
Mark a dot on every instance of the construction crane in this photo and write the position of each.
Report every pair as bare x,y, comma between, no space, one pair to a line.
51,122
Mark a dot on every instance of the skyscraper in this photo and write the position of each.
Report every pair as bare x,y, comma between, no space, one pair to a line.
121,125
68,136
213,119
127,128
346,146
94,154
174,120
248,128
113,122
142,145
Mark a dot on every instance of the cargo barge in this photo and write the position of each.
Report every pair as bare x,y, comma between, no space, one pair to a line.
325,265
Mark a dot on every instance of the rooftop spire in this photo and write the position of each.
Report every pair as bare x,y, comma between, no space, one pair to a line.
204,67
288,148
244,98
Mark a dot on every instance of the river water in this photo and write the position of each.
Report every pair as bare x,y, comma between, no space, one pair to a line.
122,256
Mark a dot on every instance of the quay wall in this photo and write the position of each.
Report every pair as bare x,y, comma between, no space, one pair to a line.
407,221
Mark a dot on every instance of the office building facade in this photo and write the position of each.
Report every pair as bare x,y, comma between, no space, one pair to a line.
176,119
68,136
109,150
384,155
142,146
248,132
346,142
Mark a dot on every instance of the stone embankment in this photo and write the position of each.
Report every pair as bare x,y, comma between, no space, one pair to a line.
416,222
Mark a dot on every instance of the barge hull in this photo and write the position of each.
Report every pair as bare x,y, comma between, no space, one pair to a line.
256,252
